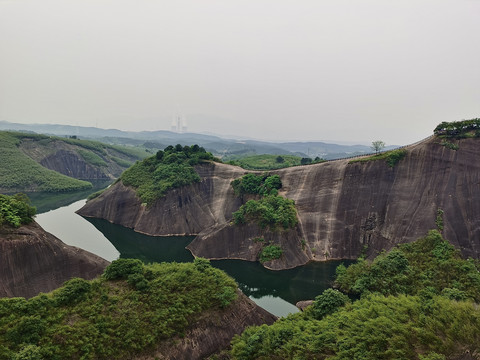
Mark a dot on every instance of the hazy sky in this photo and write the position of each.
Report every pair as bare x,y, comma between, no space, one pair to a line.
356,70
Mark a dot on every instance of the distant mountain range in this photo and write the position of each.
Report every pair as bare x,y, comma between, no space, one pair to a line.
222,147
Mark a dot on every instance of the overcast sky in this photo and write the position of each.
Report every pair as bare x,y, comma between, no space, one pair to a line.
336,70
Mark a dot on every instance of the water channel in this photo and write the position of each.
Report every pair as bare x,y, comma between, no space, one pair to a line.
276,291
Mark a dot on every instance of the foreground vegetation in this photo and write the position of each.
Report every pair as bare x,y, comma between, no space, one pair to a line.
127,311
171,168
420,301
16,210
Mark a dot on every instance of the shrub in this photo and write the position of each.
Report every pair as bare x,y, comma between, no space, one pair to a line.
16,210
271,211
72,291
122,268
270,252
327,303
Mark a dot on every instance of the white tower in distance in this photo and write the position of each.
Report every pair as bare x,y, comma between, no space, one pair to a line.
179,124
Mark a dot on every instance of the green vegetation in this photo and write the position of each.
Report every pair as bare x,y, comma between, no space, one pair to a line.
430,262
170,168
439,219
18,171
391,157
92,158
264,184
16,210
420,301
127,311
450,145
270,211
272,162
458,129
377,146
270,252
121,162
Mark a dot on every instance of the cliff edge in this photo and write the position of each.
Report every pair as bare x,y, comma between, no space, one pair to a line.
33,261
344,208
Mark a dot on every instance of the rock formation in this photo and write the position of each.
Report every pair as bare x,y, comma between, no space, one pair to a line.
33,261
213,332
343,208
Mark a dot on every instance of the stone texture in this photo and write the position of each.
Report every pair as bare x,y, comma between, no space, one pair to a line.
343,208
34,261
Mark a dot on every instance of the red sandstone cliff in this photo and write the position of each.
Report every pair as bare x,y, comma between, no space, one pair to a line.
343,208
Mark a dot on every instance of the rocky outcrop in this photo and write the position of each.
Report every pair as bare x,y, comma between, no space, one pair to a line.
34,261
213,331
66,158
343,208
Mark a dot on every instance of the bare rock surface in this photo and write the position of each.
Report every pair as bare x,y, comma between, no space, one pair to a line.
213,331
33,261
343,208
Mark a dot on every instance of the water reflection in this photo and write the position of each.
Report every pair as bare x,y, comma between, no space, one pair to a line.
275,291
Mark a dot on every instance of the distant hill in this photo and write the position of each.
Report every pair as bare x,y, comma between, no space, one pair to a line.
221,147
33,162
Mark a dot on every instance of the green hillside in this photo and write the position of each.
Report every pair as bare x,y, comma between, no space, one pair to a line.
21,154
420,301
20,172
127,311
269,162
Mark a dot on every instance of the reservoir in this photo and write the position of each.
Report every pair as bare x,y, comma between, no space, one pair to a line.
275,291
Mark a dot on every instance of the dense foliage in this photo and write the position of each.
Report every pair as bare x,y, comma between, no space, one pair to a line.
126,312
264,184
16,210
92,158
375,327
391,157
458,129
420,301
429,263
271,211
170,168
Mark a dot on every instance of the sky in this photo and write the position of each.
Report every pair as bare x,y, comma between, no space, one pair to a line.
278,70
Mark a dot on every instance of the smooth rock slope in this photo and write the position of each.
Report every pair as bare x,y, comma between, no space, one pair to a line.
344,208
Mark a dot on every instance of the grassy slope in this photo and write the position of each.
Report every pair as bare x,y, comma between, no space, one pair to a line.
111,317
20,172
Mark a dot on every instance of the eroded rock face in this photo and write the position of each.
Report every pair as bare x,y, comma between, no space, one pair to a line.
33,261
343,208
213,331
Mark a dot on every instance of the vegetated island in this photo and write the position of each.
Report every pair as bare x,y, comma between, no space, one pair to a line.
344,208
31,259
33,162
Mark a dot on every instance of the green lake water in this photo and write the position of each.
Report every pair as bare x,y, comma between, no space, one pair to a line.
276,291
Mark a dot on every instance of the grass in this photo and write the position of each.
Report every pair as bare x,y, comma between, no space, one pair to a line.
266,162
391,157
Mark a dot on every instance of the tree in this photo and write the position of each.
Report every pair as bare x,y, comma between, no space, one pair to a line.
377,146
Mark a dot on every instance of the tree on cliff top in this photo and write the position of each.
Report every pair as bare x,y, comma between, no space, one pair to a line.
377,145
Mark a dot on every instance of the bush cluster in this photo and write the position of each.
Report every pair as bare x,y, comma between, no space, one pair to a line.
16,210
270,252
458,129
111,317
391,157
264,184
168,169
271,211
